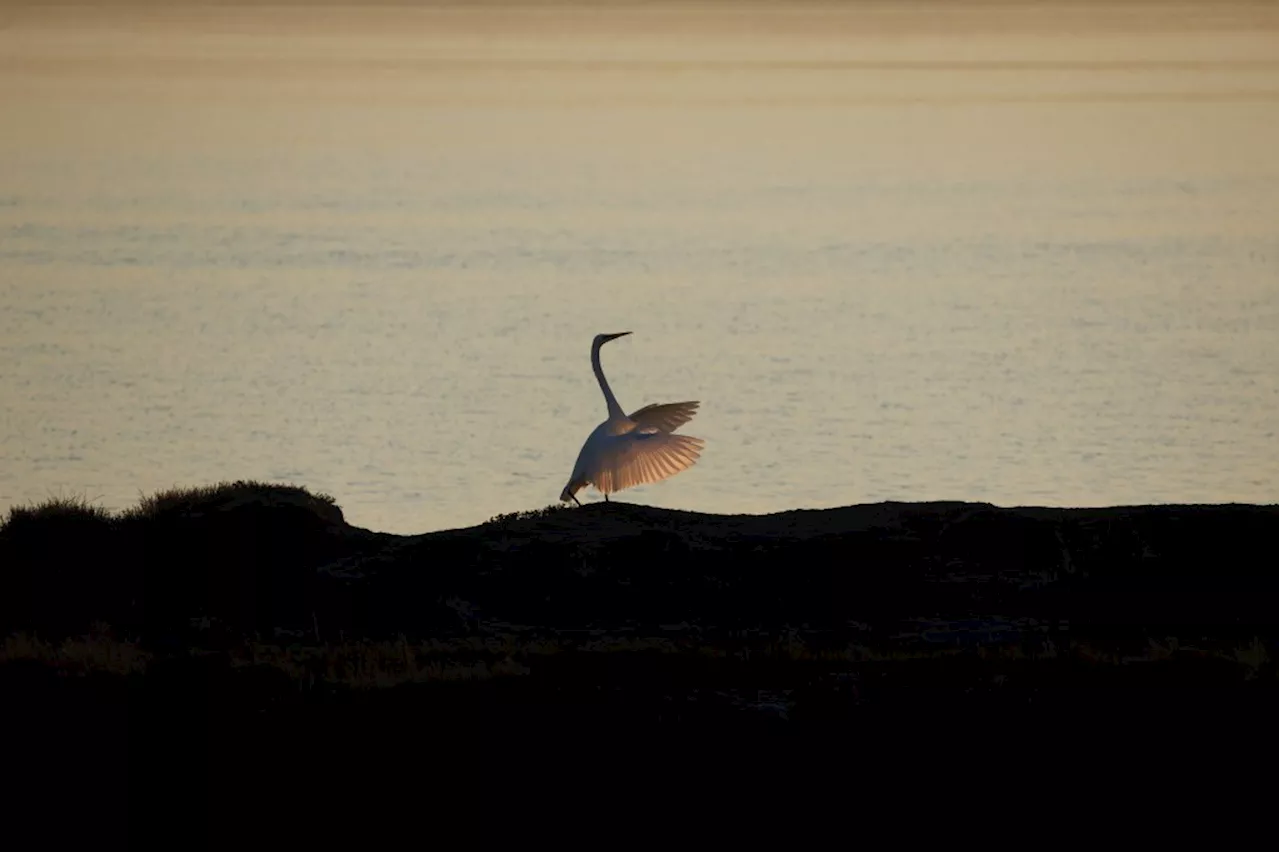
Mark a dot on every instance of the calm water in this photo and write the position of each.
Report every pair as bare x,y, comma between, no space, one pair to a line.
1020,256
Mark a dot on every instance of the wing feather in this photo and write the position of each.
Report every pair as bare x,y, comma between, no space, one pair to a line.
665,417
638,458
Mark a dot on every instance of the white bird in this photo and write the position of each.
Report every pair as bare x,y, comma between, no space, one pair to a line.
631,450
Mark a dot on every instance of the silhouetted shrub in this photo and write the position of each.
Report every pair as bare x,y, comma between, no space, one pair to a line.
227,495
544,512
241,552
56,568
57,510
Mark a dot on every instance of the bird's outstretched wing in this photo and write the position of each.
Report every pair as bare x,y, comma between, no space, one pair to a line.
667,417
640,457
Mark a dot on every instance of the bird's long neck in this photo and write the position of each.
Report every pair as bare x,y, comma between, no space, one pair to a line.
615,410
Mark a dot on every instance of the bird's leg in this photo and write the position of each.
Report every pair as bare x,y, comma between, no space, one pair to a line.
606,497
575,499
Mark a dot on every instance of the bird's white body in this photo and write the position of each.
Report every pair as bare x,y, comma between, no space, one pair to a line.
634,449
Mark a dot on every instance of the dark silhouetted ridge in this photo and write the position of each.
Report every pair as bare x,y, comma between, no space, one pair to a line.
263,600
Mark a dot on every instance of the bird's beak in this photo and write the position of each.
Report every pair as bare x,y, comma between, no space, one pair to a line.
609,337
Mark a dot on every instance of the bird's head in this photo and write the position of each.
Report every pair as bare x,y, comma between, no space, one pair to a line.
602,339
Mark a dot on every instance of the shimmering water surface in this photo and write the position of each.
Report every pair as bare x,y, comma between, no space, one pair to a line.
1022,254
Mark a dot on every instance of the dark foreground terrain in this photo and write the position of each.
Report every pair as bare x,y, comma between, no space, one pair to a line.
222,628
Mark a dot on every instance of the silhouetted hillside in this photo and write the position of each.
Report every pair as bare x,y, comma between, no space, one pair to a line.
222,634
261,597
247,559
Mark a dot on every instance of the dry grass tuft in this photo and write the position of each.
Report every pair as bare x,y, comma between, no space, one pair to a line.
545,511
97,652
224,494
58,509
367,664
175,501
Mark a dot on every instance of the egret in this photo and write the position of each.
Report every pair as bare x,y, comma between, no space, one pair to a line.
628,450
